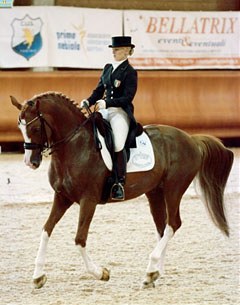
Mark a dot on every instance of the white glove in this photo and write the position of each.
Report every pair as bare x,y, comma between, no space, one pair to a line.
101,104
83,103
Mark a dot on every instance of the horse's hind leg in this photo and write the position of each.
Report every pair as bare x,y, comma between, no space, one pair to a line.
60,205
158,210
165,210
156,259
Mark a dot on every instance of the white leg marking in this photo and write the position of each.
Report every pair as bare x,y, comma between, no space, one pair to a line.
161,261
96,271
162,258
41,255
156,258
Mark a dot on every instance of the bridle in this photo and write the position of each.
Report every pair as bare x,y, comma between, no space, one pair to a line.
44,146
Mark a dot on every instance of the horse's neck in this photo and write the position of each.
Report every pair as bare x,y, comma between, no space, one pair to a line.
64,120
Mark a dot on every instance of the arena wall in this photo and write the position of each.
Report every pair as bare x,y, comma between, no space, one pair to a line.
196,101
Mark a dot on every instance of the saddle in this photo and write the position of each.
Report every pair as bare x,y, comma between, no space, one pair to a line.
140,156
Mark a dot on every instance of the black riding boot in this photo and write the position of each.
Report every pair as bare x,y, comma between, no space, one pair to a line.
117,191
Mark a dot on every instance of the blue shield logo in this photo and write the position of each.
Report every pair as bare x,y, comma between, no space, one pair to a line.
6,3
26,38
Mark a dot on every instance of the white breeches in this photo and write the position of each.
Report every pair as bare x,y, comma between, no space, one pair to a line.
119,122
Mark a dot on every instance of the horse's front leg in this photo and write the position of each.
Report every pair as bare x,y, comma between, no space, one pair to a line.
87,210
39,277
60,205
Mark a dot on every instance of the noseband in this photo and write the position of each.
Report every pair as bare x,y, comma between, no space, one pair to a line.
43,146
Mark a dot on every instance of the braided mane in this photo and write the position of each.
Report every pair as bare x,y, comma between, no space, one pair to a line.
57,97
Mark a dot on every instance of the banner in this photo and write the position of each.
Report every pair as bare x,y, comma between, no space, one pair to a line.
184,40
46,36
81,38
34,36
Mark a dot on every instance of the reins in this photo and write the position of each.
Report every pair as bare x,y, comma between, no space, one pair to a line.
46,147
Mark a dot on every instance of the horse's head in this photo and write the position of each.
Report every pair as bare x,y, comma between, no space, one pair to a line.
33,128
47,121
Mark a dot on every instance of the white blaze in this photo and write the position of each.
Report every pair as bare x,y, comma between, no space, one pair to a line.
28,152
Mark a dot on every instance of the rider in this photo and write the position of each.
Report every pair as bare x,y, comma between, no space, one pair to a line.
113,97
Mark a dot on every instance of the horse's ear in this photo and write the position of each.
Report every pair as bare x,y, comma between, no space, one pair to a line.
16,103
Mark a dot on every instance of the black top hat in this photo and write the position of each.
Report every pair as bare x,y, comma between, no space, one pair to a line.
121,41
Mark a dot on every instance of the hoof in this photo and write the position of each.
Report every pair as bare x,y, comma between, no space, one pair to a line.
105,275
148,285
150,280
39,282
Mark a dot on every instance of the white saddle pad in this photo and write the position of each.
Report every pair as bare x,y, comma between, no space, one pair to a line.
141,158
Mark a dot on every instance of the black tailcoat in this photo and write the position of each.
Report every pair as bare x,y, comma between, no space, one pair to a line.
118,89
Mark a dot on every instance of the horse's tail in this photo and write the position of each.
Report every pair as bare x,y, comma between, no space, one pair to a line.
215,168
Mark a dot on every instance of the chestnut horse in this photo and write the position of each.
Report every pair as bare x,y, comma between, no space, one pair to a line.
51,121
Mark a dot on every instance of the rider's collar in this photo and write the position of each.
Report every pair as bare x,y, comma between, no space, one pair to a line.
115,64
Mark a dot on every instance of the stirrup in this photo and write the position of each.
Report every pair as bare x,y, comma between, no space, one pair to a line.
117,192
